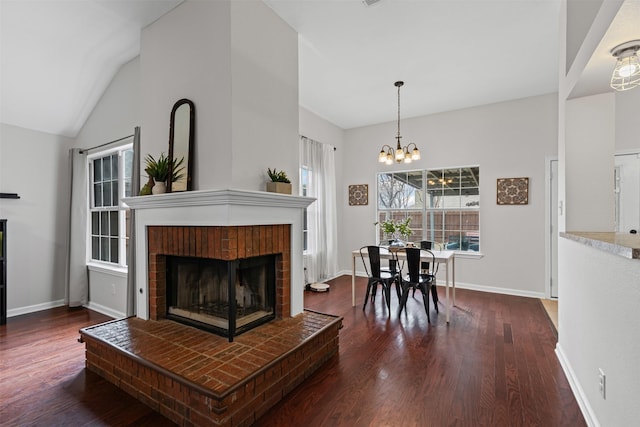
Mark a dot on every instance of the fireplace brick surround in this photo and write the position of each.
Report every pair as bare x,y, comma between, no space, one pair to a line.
226,243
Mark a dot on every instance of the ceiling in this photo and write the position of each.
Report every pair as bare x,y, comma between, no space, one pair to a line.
59,56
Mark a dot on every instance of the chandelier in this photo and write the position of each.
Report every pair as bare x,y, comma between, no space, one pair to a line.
626,74
401,154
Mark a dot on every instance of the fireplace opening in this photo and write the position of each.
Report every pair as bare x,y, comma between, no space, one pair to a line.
224,297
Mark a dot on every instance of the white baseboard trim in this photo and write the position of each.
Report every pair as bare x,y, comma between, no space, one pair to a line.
470,286
587,411
105,310
34,308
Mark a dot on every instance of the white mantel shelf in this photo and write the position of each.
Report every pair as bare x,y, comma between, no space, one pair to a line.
217,197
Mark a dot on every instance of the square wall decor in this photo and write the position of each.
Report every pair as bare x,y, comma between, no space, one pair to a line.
513,191
358,195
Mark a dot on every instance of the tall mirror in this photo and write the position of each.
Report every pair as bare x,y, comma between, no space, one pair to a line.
181,132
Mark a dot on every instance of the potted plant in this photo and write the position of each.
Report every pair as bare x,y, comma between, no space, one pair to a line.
279,183
396,229
158,172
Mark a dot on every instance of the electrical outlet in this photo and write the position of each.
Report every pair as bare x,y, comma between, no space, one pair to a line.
602,383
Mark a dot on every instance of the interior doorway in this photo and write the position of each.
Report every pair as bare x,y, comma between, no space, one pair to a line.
552,190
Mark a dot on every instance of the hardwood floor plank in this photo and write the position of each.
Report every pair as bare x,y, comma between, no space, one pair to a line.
493,365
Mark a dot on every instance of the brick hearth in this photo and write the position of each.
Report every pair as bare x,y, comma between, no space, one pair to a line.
198,378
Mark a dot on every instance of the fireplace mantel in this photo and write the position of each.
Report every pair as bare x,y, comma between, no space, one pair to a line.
217,197
218,208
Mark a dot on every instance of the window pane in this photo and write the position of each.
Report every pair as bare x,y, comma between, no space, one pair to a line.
95,223
104,249
113,226
401,190
114,166
114,193
97,195
97,170
104,223
106,194
106,168
95,248
114,250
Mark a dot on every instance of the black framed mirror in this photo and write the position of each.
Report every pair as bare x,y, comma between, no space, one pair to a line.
181,131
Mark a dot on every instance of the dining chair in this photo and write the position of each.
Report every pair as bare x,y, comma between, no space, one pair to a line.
426,269
378,277
416,280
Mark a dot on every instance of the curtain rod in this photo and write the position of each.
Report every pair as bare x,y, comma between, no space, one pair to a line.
106,143
334,147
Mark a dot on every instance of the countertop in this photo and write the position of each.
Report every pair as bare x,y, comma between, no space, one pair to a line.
624,244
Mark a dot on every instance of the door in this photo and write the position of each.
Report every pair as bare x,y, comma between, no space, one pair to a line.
627,191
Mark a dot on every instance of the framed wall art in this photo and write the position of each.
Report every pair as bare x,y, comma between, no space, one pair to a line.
358,195
513,191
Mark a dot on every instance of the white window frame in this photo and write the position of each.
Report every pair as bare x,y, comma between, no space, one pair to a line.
120,208
424,209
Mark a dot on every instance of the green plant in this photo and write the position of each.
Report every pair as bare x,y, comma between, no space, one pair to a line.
278,176
391,227
159,169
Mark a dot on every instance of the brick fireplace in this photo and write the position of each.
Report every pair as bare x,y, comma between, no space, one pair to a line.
192,376
227,243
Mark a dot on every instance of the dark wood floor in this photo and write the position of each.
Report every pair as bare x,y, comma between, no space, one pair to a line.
494,365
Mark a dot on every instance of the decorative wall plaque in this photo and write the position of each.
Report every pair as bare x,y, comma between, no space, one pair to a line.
358,195
513,191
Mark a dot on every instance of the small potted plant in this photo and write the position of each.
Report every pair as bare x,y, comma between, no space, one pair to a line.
158,172
279,183
396,229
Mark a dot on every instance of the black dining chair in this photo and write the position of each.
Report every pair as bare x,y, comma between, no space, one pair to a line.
416,280
378,277
426,269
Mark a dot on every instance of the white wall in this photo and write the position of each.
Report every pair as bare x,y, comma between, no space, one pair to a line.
117,112
627,123
598,329
509,139
589,150
34,165
237,61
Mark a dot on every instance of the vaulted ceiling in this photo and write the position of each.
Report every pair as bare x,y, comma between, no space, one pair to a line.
59,56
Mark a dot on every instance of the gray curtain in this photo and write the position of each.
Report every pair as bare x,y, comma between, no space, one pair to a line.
131,256
76,272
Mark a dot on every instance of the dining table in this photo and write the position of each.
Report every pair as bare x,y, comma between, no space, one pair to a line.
448,258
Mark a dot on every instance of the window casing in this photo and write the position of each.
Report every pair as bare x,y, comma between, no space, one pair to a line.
305,176
110,181
443,204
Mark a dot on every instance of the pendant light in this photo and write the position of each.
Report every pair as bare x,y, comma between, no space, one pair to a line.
400,154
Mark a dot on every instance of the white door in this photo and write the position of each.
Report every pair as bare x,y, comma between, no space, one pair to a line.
627,189
553,229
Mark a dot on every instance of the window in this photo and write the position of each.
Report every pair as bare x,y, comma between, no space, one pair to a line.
110,178
443,204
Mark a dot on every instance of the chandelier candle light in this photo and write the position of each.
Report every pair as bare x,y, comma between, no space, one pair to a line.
626,74
400,154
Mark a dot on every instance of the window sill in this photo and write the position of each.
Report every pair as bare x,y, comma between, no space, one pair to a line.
107,269
469,255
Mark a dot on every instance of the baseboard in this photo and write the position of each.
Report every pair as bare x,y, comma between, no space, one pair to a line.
34,308
469,286
105,310
587,411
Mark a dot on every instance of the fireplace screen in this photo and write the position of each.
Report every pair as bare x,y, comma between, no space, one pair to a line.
226,297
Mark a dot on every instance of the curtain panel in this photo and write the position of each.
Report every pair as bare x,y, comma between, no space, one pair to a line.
321,259
77,280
